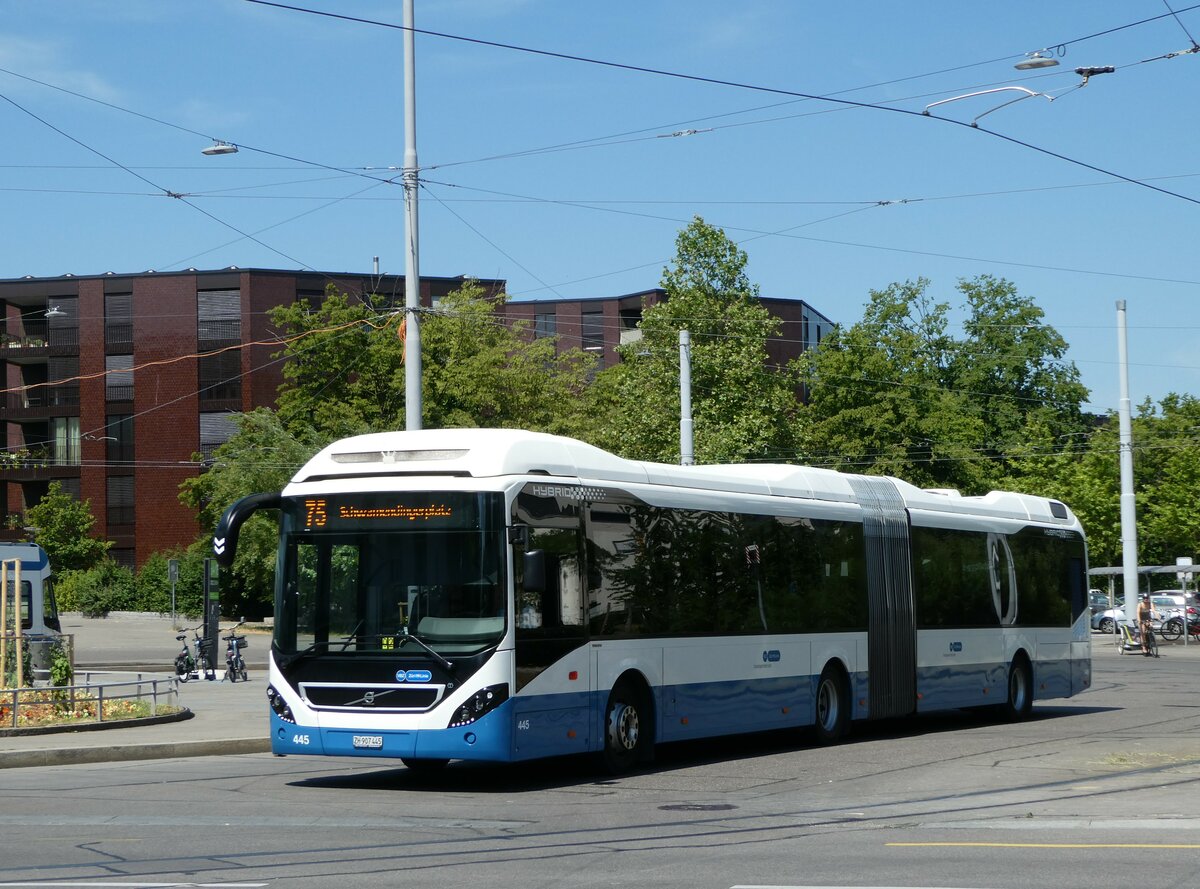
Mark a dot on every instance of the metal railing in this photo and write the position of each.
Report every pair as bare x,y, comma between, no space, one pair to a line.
64,705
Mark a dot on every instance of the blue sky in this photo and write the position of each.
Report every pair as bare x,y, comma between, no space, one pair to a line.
562,177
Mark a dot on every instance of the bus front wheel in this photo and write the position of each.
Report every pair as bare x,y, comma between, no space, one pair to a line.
832,714
624,729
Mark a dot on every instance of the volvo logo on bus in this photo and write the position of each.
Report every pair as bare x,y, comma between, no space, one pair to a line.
413,675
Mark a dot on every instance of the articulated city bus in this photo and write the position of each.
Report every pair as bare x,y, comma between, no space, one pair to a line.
501,595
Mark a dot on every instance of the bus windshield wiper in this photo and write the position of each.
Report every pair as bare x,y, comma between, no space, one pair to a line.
320,644
410,636
307,652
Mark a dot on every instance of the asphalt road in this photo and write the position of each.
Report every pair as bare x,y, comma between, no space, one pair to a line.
1099,791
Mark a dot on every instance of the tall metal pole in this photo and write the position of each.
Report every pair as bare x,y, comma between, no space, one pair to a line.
412,272
687,455
1129,553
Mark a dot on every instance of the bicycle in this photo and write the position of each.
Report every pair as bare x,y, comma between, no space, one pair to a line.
204,664
1130,640
235,664
185,661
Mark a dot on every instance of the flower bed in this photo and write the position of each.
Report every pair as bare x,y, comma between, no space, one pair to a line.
56,706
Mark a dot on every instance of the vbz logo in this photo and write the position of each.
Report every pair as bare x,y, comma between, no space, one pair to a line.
771,657
956,646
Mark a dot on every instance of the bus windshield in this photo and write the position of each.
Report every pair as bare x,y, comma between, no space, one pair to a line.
362,572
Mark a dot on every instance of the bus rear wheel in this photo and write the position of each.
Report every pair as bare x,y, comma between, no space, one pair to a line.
624,732
832,706
1019,703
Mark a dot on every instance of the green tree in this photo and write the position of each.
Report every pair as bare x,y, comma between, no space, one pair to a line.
480,371
1166,476
1013,366
262,456
898,394
740,405
345,373
63,527
881,398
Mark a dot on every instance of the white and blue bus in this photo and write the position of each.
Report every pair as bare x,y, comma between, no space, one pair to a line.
501,595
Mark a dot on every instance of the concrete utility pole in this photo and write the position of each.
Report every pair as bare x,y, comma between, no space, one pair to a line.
412,272
687,452
1129,553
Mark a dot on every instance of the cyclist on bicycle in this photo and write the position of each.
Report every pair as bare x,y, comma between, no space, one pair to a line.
1145,613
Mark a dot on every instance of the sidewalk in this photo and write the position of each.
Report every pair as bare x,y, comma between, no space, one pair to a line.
226,717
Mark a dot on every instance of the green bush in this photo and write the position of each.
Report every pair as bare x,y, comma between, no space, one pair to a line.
97,591
10,675
154,585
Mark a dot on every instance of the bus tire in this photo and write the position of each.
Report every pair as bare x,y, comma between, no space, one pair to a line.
1018,702
831,707
626,728
424,765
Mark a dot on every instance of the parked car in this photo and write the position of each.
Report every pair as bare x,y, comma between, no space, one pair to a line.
1098,600
1165,606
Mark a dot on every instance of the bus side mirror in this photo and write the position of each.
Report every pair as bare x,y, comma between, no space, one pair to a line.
533,571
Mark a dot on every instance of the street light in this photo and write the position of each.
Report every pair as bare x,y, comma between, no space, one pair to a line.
219,147
1035,60
55,312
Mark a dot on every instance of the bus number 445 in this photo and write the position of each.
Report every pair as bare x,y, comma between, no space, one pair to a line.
523,725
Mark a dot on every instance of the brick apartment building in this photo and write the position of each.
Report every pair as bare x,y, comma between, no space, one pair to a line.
600,324
113,382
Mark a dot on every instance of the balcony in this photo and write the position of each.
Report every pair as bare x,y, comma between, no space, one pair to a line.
35,404
28,343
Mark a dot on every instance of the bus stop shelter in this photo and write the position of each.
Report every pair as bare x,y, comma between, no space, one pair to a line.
1181,571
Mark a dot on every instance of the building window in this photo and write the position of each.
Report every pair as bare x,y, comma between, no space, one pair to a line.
593,331
64,437
124,558
62,322
312,299
120,500
218,318
118,378
118,322
220,376
215,430
70,486
118,435
544,324
63,391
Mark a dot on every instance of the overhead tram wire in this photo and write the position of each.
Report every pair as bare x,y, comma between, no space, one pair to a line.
757,233
489,241
733,84
349,171
166,192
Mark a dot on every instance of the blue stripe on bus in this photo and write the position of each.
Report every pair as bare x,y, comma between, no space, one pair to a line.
531,727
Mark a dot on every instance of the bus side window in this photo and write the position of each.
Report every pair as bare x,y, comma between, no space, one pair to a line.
559,603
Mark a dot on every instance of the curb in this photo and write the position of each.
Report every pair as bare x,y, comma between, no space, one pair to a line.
85,755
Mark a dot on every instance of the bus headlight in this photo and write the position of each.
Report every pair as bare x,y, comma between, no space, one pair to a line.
279,706
483,701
